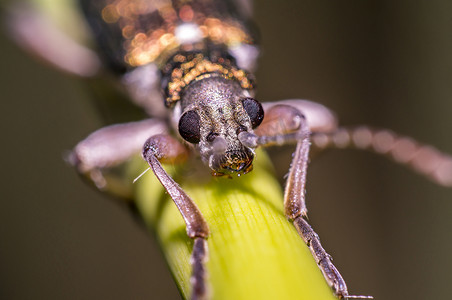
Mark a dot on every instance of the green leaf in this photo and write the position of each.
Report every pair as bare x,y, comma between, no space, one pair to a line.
254,252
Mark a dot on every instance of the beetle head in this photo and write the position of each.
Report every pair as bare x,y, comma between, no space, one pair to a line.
216,111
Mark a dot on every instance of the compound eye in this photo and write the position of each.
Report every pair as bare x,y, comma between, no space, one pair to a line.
189,127
254,110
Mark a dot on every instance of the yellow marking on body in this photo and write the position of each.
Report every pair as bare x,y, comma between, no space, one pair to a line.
200,67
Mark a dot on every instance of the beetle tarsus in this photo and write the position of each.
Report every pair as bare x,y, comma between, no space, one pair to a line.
323,259
198,278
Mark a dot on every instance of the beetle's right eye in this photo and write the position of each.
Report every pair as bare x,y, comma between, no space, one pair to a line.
189,127
254,110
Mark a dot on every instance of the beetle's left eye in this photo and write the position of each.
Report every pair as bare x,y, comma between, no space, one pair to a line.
254,110
189,127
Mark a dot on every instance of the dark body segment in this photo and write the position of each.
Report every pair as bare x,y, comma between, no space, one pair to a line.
133,33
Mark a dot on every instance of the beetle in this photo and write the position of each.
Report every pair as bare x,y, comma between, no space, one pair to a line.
213,110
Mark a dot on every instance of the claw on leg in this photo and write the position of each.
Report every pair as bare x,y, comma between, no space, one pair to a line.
324,260
285,124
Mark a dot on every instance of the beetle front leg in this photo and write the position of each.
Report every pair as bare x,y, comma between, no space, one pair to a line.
284,124
167,149
34,31
111,146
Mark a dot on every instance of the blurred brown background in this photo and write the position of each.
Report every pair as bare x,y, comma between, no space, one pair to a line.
384,63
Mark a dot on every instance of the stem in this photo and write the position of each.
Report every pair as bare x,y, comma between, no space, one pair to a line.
254,252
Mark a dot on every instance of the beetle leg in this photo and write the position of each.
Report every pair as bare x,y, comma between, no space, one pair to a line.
424,159
318,116
285,124
110,146
166,148
198,278
33,30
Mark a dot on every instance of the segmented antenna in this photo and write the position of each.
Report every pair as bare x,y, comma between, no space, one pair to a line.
422,158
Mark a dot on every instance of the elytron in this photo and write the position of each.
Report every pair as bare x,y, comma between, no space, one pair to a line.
189,65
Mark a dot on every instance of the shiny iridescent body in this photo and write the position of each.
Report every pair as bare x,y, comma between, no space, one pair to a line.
188,64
